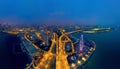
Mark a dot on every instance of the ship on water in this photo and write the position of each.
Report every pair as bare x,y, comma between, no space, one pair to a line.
44,56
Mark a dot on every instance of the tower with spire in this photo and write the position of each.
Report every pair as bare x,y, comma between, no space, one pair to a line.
81,45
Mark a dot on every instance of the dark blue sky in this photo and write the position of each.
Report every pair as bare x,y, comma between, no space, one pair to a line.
60,11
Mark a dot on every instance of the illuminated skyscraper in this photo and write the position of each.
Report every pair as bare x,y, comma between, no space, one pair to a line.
81,44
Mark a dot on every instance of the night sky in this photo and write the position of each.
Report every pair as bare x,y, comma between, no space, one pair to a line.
103,12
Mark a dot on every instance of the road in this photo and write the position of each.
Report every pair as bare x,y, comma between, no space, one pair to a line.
61,55
47,56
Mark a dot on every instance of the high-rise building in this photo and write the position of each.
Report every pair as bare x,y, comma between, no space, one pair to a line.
81,45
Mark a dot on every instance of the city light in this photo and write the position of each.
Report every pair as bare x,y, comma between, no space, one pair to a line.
84,59
73,65
79,62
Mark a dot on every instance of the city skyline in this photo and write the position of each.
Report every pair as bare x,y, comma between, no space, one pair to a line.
59,34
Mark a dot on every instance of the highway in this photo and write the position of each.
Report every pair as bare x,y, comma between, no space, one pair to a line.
61,55
47,56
